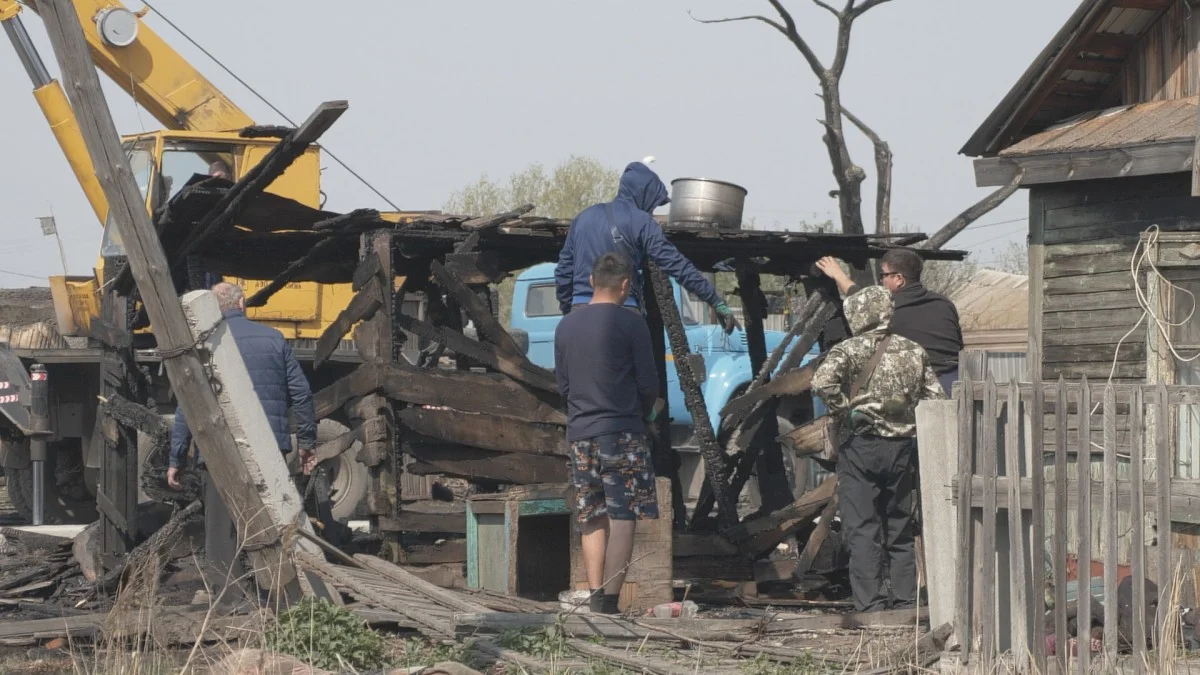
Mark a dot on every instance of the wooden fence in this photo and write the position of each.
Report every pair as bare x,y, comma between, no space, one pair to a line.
1080,461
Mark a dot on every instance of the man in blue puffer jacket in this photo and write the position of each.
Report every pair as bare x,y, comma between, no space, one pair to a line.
626,224
278,381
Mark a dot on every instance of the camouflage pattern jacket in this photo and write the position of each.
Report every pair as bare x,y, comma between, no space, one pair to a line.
887,404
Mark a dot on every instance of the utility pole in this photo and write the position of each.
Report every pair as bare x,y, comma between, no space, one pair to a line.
50,227
148,263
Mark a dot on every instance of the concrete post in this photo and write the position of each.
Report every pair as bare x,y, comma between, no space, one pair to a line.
937,443
280,500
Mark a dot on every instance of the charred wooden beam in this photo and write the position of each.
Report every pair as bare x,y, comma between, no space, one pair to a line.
258,179
817,538
355,222
772,474
487,222
764,533
107,334
374,338
486,431
485,323
665,458
362,307
464,391
460,461
791,383
815,438
479,267
518,369
134,416
714,459
318,252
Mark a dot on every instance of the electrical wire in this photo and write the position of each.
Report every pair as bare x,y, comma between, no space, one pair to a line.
262,98
22,274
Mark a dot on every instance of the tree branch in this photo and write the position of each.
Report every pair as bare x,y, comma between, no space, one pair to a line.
883,181
794,35
751,17
827,7
866,7
975,212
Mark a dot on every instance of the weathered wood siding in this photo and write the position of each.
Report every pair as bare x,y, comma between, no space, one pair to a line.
1164,63
1091,229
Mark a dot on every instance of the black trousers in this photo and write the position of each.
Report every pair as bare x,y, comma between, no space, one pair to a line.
876,485
224,571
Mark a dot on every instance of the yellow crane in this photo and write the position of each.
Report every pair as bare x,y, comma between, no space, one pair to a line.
200,135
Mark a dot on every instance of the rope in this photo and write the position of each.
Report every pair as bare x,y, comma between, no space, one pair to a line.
174,352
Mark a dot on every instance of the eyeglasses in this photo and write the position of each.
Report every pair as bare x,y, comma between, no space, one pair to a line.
890,274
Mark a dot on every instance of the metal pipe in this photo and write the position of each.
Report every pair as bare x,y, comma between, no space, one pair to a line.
39,423
26,51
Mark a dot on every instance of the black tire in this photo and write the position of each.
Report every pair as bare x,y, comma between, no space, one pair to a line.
67,499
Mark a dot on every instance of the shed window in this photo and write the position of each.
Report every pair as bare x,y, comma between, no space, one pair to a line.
1185,336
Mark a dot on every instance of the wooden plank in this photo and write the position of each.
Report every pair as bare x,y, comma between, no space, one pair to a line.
1185,507
476,268
259,178
1109,337
486,431
1038,538
1128,352
1016,528
471,392
450,551
374,338
1163,468
1109,514
765,532
1109,281
362,307
1083,468
987,469
150,269
1060,522
486,323
817,538
478,351
427,517
1087,264
1176,394
1125,318
966,445
473,463
1064,167
1138,536
1106,300
368,268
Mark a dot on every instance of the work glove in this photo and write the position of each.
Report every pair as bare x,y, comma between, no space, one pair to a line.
725,316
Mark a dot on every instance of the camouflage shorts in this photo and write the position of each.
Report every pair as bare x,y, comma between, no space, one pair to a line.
613,477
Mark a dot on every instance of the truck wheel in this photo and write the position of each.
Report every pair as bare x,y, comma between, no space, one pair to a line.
67,499
349,476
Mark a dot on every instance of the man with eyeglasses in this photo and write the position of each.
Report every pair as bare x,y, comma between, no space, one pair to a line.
930,319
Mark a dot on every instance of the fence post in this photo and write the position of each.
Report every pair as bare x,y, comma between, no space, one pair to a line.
966,444
1083,476
1037,582
1019,609
937,435
1110,525
987,469
1137,513
1163,468
1060,525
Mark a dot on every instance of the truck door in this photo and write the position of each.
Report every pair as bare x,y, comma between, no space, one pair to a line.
535,310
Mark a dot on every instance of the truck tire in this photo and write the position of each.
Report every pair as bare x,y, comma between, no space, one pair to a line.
349,476
67,499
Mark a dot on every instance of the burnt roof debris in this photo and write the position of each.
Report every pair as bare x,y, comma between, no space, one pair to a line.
273,232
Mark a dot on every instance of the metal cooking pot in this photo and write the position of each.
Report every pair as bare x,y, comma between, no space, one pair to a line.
705,202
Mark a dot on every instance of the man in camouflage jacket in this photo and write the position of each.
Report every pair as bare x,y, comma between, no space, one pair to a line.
875,466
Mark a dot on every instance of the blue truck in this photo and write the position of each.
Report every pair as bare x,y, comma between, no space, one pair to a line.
727,370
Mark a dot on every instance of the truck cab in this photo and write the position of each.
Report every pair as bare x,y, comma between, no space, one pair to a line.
727,370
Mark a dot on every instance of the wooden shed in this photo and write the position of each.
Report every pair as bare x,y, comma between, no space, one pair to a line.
1101,130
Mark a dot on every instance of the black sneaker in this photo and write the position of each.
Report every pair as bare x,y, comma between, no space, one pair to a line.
596,602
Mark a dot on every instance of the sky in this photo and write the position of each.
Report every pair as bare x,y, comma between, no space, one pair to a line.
444,91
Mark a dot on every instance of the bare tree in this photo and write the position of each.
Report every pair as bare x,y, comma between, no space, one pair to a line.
848,175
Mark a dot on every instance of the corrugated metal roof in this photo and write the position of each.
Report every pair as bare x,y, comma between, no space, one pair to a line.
993,301
1127,126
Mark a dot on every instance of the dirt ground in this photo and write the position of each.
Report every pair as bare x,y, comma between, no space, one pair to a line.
20,306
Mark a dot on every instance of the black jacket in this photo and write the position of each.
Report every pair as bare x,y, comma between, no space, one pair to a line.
925,317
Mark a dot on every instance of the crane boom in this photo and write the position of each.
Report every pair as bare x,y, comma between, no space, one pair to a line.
159,78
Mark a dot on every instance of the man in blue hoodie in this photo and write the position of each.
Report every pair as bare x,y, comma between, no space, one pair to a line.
626,225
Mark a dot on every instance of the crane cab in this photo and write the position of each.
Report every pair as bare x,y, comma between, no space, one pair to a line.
163,162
